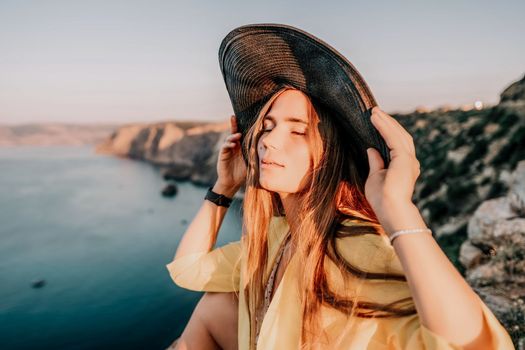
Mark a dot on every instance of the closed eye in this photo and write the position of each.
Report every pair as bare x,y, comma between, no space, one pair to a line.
293,132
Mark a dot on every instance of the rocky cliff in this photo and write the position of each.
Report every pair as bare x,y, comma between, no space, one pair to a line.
494,255
472,193
187,150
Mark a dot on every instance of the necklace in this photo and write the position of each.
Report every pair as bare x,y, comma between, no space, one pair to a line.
270,284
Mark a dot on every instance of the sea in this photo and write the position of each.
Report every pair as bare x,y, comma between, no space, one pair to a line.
84,243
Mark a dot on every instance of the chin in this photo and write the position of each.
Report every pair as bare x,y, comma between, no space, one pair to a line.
268,185
271,186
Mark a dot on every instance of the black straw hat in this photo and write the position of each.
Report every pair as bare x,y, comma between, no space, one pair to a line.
256,60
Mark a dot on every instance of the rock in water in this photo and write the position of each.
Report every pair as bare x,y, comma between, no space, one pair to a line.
38,283
170,190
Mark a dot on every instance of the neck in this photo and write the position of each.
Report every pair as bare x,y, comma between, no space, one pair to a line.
291,207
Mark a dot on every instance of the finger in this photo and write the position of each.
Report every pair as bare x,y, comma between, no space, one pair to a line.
398,125
388,132
233,137
229,145
233,123
391,122
399,138
404,134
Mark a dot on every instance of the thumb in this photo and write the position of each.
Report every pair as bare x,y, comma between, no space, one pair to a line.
375,161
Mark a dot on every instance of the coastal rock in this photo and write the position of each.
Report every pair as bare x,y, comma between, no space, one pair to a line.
170,190
517,193
38,283
182,150
176,173
458,155
469,254
494,255
514,92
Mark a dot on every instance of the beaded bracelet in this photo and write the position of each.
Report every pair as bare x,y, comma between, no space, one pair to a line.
402,232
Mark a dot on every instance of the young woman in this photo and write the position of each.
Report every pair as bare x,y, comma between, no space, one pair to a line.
324,260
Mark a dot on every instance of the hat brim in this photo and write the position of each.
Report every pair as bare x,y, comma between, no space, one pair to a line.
256,60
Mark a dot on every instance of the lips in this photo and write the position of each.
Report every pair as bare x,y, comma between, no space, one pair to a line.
270,161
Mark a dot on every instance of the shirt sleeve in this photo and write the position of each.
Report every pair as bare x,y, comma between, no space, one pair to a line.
412,335
215,271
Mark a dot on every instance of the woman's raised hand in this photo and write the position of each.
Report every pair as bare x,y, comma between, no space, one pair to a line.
231,169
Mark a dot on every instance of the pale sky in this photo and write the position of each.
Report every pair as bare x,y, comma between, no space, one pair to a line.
127,61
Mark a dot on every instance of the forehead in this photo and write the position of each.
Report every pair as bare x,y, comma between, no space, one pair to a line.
290,106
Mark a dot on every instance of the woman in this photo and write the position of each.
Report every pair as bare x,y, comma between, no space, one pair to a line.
323,261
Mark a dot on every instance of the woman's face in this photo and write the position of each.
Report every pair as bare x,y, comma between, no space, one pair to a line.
285,142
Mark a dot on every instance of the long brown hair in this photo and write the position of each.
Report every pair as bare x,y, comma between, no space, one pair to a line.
334,192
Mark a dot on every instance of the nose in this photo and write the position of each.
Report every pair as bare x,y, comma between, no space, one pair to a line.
269,139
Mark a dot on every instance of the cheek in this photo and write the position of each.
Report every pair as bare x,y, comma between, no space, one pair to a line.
301,159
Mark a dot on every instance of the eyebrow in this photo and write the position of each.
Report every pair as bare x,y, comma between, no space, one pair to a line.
288,119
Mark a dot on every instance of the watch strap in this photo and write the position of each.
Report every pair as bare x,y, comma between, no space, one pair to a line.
217,198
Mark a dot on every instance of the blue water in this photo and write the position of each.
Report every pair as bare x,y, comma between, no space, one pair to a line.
96,228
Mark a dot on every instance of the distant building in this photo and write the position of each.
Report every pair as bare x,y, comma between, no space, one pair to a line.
422,109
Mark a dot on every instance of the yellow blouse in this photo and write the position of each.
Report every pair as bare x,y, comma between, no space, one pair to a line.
219,271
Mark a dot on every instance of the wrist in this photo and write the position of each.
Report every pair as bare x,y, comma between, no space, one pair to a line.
224,190
401,216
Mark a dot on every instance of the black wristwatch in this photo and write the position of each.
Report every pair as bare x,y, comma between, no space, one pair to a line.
218,199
